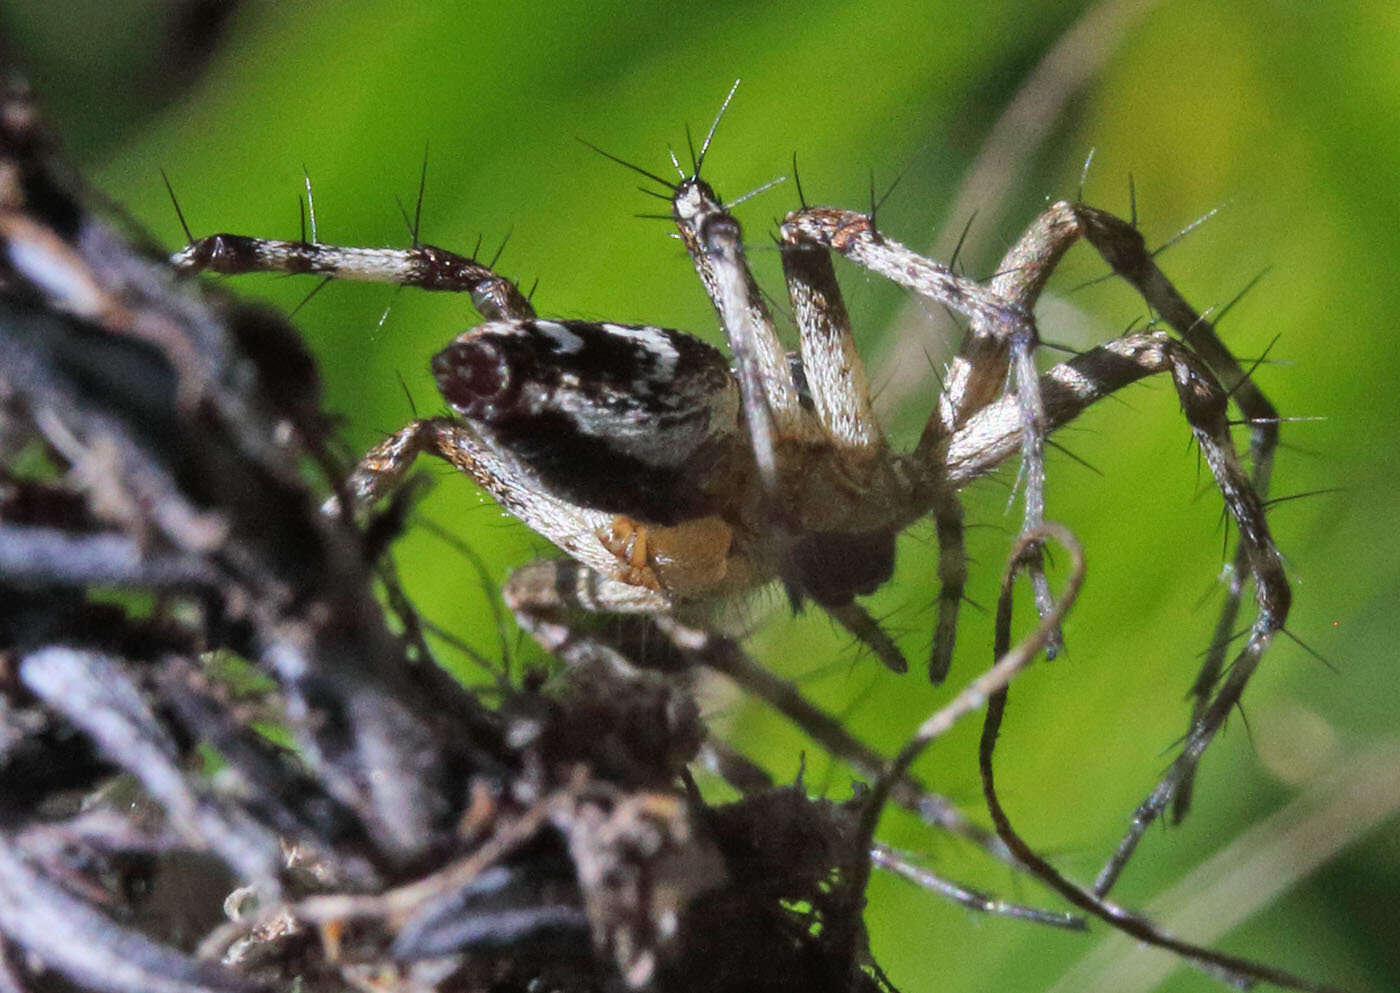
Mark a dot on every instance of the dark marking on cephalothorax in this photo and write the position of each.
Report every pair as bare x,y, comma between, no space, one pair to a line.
592,472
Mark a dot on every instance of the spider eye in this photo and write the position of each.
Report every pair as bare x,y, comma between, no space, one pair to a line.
474,376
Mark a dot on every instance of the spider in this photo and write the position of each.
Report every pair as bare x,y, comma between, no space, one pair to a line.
676,480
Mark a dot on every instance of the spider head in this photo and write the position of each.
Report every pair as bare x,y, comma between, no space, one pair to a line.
476,378
618,418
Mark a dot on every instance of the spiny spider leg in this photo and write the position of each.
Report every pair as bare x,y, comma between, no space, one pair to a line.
840,392
831,364
772,405
993,433
547,595
1031,261
714,241
977,374
1122,242
1122,247
982,361
836,379
866,629
1238,972
952,578
424,266
997,318
1020,278
1237,576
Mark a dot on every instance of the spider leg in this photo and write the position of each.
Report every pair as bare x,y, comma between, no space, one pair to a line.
831,364
547,595
589,535
992,434
1238,972
840,392
424,266
952,579
1025,270
982,361
977,374
381,470
1002,322
1214,663
1020,278
714,241
1122,246
858,622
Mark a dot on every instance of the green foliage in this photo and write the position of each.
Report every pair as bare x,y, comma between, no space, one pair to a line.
1283,112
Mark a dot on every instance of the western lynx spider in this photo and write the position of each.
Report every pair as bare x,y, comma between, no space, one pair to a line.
675,483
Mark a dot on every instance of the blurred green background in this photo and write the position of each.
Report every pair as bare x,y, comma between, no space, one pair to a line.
1285,113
